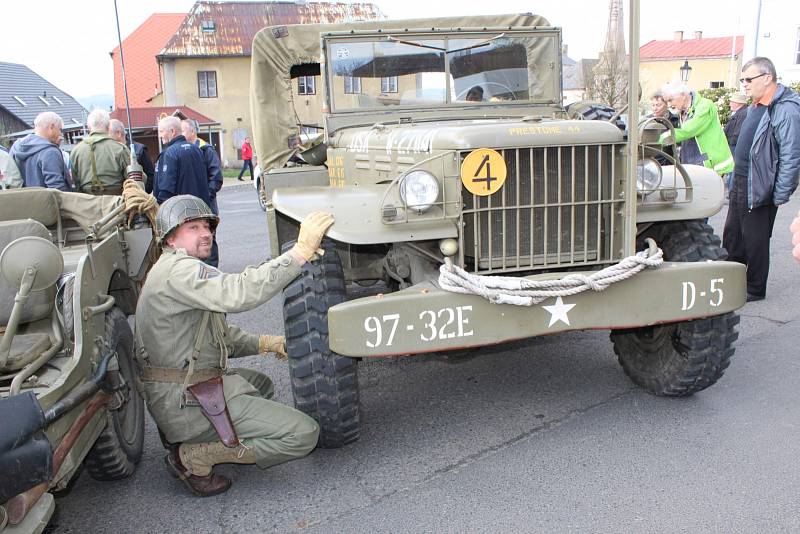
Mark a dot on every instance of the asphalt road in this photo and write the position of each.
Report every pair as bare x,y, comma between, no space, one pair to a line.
546,435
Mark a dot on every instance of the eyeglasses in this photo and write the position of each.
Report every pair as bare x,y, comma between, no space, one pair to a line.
750,80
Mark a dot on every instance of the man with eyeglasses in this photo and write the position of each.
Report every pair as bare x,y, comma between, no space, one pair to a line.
765,174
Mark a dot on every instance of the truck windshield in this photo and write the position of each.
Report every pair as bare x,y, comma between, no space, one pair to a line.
379,72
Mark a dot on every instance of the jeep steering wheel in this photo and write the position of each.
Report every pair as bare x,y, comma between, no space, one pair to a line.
460,96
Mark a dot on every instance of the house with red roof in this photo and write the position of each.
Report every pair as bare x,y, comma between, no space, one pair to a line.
714,61
141,68
206,63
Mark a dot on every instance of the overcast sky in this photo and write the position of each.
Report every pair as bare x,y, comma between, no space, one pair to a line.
68,42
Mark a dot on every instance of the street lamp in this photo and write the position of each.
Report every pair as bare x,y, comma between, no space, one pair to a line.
686,70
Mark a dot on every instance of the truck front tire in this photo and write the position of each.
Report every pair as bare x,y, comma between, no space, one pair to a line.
679,359
324,384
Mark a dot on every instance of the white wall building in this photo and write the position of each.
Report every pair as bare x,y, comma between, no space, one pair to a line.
775,33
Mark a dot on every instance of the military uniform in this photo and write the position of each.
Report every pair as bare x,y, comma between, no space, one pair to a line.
180,290
99,165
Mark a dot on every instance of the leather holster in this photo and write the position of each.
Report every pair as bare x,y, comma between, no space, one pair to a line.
211,398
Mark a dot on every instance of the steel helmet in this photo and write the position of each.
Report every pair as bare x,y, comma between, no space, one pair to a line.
179,209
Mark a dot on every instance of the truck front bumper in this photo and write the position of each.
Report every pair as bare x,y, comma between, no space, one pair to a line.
425,318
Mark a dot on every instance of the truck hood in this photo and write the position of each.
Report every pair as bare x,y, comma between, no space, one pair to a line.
430,137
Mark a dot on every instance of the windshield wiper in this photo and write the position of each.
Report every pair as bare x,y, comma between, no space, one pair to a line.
412,43
487,42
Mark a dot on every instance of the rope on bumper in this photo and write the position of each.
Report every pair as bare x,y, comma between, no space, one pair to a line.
525,292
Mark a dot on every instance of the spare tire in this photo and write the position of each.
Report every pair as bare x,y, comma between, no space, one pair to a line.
594,111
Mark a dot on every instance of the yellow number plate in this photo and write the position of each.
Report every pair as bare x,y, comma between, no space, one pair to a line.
483,172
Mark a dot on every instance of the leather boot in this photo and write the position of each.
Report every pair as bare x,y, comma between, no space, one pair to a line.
200,458
202,486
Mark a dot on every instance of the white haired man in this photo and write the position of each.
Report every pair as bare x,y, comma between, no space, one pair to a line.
99,164
117,132
37,156
701,137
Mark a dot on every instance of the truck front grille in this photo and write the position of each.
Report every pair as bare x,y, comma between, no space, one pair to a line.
559,207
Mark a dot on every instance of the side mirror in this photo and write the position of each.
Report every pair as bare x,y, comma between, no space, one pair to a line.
29,264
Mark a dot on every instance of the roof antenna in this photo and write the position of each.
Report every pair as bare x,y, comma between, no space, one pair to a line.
135,171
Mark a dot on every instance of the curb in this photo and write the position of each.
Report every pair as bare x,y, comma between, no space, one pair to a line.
236,187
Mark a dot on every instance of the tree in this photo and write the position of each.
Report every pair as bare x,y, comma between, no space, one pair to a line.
608,81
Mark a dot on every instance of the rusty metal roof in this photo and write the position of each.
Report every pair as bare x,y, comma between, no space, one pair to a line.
228,28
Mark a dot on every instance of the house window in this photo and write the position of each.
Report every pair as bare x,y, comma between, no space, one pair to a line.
716,85
352,85
207,83
208,26
306,85
389,85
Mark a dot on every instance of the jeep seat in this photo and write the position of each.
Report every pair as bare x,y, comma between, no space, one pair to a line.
37,203
40,304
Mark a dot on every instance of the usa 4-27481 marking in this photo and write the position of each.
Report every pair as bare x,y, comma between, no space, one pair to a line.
431,325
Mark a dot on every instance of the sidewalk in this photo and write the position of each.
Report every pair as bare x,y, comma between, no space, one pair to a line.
233,182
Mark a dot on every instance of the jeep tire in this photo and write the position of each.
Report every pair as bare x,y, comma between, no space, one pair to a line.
119,447
679,359
324,384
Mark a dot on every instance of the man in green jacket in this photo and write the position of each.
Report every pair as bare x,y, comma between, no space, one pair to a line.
183,341
99,163
702,139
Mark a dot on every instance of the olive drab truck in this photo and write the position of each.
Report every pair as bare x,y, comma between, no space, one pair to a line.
70,270
484,209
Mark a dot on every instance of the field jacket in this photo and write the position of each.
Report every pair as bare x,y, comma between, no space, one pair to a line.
179,290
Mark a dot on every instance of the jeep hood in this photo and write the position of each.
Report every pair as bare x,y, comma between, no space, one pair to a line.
277,49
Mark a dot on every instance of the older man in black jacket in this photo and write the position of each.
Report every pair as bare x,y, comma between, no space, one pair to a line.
765,173
180,169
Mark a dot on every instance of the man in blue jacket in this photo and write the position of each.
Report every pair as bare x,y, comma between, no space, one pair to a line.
37,156
767,162
214,172
180,169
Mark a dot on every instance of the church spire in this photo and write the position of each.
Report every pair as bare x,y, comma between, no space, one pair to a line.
615,35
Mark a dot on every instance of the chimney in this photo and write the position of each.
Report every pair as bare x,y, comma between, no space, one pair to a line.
678,36
698,34
564,50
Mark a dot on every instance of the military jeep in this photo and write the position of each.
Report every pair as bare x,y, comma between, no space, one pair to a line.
448,150
71,265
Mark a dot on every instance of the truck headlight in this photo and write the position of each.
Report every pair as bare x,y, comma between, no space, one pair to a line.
648,175
419,190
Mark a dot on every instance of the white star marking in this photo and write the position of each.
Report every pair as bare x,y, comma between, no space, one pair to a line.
558,312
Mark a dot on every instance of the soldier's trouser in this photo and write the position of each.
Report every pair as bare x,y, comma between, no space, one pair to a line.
276,433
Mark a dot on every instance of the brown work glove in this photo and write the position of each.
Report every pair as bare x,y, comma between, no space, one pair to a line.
276,344
312,229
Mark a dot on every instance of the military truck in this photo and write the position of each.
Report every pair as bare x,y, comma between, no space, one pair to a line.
487,211
71,268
